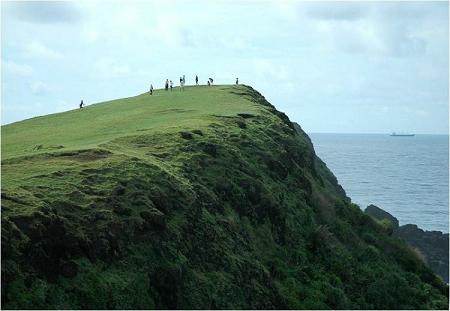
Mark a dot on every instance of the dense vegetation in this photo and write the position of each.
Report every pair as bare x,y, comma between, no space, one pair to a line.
208,198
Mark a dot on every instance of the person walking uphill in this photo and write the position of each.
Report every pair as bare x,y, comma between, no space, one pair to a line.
81,104
181,84
166,86
151,89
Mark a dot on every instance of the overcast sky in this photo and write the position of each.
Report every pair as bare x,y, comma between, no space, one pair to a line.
349,67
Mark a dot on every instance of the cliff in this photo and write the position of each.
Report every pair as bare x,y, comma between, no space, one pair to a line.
208,198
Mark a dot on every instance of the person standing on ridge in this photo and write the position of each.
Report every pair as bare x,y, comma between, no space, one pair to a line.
166,86
184,80
181,84
151,89
237,81
81,104
171,85
196,80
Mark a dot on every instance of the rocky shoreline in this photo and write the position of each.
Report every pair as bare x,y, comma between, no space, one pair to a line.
432,246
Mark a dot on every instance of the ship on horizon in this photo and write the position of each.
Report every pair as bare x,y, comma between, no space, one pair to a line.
401,134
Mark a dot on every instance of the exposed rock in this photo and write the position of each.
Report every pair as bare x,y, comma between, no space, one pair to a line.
432,245
381,214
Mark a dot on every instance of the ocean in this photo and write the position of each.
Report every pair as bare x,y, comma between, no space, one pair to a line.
406,176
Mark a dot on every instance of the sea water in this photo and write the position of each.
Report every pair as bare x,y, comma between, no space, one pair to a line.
406,176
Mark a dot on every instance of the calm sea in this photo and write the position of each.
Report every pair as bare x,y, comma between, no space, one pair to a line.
406,176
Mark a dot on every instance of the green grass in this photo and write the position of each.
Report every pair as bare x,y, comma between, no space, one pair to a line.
164,111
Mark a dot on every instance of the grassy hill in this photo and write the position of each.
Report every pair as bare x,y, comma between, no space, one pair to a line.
207,198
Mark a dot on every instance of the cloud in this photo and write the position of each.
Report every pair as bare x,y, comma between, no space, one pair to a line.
340,11
38,50
39,88
17,69
43,12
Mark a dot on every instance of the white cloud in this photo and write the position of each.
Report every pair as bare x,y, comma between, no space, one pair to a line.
39,88
43,12
38,50
16,68
340,11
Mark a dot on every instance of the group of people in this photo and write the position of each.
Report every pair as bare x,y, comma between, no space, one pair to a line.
169,83
166,86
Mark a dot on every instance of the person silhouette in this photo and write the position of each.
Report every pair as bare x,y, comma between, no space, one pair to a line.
237,81
151,89
81,104
181,84
196,80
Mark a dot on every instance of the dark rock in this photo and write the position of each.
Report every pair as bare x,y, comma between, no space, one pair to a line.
433,245
381,214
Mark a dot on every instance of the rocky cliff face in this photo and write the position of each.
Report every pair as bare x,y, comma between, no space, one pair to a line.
432,246
238,213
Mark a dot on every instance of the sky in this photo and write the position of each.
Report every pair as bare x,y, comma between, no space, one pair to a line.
335,67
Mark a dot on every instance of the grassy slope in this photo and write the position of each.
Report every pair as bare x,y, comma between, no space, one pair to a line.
165,112
112,207
100,123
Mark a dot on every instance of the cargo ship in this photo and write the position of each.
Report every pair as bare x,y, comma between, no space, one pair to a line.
401,134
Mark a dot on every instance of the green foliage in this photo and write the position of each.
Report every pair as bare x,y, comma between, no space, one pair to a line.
206,198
